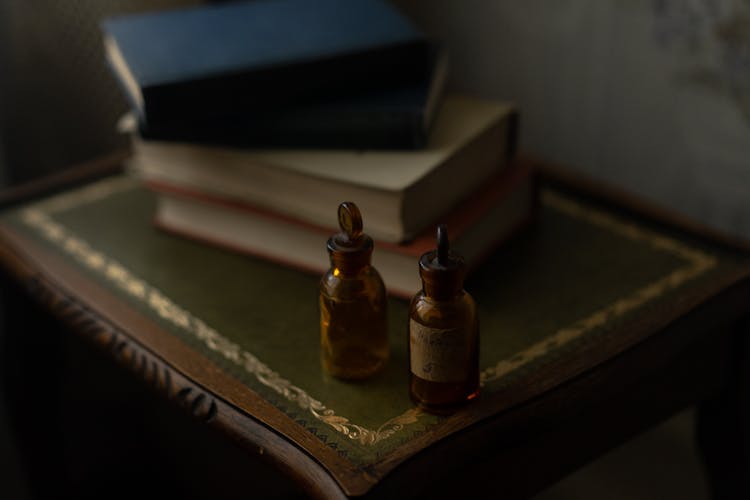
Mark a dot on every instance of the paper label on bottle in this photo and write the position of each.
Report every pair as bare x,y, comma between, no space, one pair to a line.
438,355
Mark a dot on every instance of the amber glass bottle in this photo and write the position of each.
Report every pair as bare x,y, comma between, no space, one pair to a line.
353,321
443,334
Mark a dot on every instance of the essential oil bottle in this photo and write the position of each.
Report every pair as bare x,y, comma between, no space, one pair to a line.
353,304
443,334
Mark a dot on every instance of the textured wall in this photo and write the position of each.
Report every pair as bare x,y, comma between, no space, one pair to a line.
651,94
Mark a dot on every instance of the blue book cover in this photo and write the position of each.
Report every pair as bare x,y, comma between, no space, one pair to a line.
250,56
393,118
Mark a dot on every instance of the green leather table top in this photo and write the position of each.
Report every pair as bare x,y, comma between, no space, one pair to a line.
571,278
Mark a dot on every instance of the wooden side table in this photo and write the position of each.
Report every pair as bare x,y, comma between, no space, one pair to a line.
599,320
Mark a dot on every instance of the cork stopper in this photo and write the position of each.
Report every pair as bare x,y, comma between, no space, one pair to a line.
350,249
441,270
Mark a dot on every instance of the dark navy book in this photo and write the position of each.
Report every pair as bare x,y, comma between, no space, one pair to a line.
392,118
251,57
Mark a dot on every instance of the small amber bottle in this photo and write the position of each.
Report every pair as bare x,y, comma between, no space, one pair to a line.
443,334
353,321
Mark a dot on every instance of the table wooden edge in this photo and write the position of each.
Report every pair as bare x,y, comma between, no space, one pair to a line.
171,382
495,447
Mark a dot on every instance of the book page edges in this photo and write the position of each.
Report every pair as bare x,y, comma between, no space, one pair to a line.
128,80
459,220
472,209
304,248
463,173
285,194
436,90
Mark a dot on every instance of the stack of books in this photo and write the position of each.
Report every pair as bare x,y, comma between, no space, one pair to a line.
252,121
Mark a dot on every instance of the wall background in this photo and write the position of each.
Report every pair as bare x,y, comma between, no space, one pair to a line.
651,94
58,101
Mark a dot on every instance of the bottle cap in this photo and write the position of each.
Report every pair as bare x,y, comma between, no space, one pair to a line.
441,270
350,248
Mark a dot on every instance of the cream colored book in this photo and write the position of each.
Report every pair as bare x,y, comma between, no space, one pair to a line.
399,193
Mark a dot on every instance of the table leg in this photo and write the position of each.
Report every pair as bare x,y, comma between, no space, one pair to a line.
723,426
30,373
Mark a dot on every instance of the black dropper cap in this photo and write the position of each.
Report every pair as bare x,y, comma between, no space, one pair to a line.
441,270
350,249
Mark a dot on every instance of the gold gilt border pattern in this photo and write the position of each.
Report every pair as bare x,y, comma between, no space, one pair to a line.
697,263
39,217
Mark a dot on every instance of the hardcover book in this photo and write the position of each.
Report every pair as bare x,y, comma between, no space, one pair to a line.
229,59
400,193
488,216
387,118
